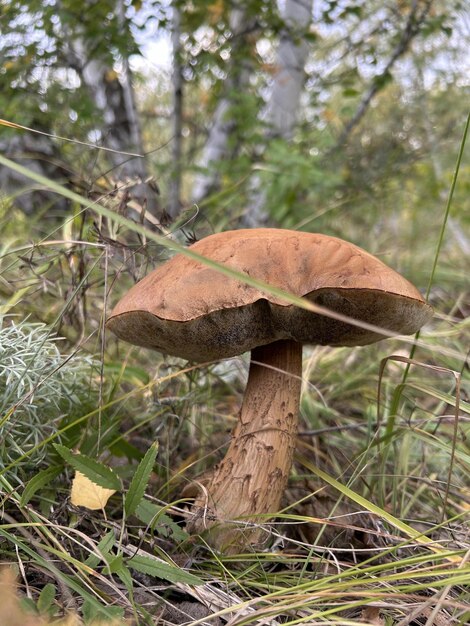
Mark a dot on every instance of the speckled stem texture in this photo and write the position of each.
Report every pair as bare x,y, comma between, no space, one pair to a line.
250,481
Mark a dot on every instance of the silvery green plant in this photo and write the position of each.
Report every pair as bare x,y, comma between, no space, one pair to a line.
38,387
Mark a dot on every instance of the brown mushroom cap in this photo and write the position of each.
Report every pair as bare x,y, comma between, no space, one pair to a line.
186,309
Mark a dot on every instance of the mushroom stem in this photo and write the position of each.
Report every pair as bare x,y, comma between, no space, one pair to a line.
250,480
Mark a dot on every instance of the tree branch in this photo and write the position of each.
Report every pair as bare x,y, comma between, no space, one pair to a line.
415,20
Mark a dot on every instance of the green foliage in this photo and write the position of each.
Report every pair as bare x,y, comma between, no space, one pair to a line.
115,563
46,600
140,480
40,480
158,522
38,387
158,569
292,173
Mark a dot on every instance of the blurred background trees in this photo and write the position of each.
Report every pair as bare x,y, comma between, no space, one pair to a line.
258,112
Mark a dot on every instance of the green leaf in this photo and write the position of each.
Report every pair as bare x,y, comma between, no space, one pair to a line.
350,92
137,376
159,569
92,611
42,478
440,395
123,448
46,598
154,516
104,547
354,10
94,471
140,480
115,565
148,513
126,577
382,79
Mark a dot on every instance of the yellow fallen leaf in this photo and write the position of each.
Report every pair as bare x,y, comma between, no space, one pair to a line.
88,494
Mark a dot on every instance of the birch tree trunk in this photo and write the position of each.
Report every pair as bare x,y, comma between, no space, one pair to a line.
238,78
283,103
114,97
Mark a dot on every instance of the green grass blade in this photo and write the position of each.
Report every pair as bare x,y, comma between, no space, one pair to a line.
40,480
373,508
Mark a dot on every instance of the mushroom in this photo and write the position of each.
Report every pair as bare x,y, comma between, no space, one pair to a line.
187,309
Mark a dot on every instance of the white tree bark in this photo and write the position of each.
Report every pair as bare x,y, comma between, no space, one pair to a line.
214,150
283,103
288,82
216,147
